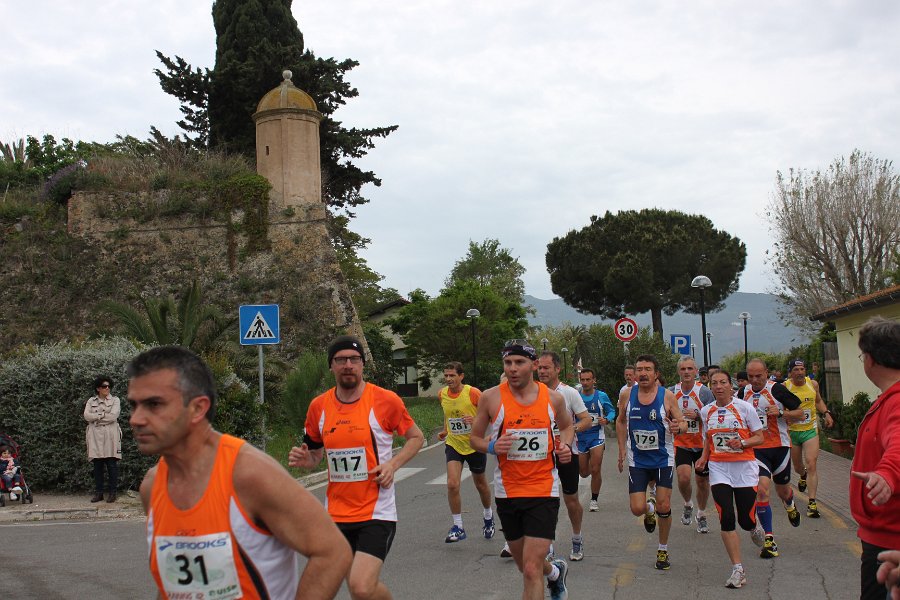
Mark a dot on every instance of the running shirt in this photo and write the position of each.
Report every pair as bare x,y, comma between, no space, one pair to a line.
736,420
807,396
773,394
357,437
214,549
464,404
528,469
698,397
598,405
574,404
650,444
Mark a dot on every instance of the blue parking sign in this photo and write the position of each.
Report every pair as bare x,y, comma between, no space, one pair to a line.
681,344
259,324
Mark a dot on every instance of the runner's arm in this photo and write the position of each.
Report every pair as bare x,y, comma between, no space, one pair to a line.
296,518
790,401
384,473
674,412
584,421
622,426
482,419
610,410
821,407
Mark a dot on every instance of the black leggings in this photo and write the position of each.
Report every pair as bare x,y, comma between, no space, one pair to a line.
726,497
112,469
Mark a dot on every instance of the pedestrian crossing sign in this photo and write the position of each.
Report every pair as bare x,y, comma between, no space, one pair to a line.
259,324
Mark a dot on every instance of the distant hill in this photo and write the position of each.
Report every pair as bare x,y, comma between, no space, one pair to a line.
765,331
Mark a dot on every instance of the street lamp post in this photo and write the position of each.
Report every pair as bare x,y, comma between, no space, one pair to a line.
709,344
702,282
565,363
473,314
544,342
693,350
745,316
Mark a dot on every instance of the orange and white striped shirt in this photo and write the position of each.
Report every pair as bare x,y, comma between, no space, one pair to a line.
214,549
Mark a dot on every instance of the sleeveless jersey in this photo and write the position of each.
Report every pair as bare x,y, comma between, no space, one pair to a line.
528,469
807,396
693,437
213,549
776,434
650,444
357,437
723,423
455,408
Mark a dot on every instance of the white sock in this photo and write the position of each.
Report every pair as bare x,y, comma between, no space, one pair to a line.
663,546
576,537
554,573
457,520
689,505
701,513
651,508
738,567
488,513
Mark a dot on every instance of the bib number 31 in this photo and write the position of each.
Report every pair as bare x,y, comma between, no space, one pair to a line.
198,567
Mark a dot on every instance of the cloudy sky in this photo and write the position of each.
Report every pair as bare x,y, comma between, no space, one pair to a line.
518,120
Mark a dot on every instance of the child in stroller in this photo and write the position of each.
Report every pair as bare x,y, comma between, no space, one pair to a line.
11,480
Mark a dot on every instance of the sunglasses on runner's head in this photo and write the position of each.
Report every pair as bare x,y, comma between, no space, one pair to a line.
520,348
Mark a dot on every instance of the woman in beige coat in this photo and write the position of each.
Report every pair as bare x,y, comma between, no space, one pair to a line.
104,438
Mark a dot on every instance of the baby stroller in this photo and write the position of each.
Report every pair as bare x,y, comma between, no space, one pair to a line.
25,495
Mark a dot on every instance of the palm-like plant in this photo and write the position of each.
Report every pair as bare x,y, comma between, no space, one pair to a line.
187,323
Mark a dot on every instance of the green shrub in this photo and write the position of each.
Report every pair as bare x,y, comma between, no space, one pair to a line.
43,390
851,415
307,380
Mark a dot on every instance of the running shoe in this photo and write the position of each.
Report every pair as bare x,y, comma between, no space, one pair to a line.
593,506
455,534
687,515
769,549
702,525
488,530
801,483
662,560
812,511
737,579
650,517
758,535
505,553
577,549
557,588
794,515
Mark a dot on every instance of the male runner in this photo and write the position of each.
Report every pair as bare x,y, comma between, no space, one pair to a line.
592,442
742,383
224,520
628,373
691,396
774,404
353,425
548,368
459,403
805,432
648,415
703,374
515,422
731,428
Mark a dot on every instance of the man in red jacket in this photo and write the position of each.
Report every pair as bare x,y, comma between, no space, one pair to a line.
875,481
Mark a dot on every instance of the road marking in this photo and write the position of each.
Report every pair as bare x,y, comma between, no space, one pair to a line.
836,521
624,575
404,472
855,548
442,480
637,544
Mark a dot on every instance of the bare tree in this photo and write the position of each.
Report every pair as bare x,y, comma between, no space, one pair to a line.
836,233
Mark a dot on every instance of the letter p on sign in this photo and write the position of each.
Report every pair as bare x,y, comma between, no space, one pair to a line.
681,344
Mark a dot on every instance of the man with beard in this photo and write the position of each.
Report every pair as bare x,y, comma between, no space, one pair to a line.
353,425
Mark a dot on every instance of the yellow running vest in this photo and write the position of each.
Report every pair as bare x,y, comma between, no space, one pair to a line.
455,408
807,396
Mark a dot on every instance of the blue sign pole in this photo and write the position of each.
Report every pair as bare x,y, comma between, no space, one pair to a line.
260,326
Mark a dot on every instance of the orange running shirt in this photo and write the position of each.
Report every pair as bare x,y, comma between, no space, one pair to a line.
693,437
528,469
358,437
775,428
213,549
723,423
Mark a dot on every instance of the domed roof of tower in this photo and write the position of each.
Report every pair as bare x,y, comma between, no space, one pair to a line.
286,95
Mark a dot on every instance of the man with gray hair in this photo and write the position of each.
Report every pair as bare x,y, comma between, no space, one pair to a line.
875,480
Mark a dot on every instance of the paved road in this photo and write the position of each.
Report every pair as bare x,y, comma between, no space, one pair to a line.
107,559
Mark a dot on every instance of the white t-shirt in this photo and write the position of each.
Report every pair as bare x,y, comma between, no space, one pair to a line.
574,403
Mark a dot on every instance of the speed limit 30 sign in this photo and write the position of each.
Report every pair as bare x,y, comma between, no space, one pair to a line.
626,329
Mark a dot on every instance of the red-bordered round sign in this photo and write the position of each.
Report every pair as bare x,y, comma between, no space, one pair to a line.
626,329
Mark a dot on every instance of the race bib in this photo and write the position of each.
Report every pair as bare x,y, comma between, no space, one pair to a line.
763,417
458,426
197,567
807,417
347,464
645,440
720,441
530,444
595,419
693,427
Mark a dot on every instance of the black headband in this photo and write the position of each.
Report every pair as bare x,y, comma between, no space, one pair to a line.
345,342
519,350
